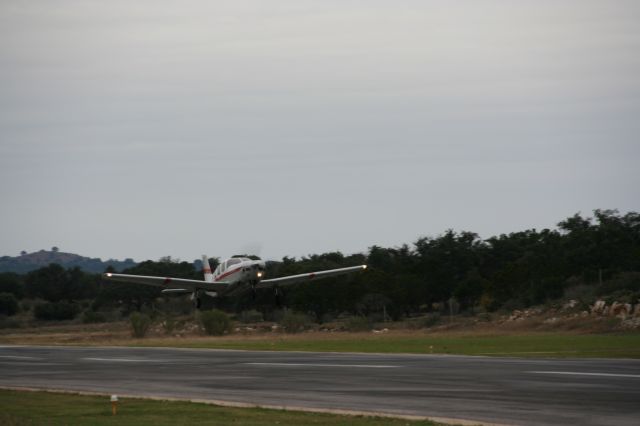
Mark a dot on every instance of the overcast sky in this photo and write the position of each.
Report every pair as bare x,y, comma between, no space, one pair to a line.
151,128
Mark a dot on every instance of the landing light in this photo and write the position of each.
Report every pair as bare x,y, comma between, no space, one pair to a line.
109,274
259,274
364,266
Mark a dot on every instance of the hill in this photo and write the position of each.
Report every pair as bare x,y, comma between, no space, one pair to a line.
27,262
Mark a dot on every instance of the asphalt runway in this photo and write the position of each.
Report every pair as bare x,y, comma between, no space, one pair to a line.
494,390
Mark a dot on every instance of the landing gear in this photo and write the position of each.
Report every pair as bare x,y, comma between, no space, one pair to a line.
279,295
253,290
196,296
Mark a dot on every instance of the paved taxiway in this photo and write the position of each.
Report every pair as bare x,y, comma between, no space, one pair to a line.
500,390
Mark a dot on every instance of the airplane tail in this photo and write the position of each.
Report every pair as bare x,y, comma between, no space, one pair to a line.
208,274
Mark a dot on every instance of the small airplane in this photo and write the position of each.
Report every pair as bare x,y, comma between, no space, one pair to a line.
233,276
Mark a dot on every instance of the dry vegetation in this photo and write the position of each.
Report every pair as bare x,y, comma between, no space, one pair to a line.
185,329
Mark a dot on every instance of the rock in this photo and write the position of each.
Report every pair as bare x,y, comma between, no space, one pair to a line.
621,310
570,304
631,323
636,311
599,307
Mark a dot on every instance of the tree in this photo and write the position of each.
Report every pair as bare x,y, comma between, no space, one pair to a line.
8,304
50,283
12,283
55,249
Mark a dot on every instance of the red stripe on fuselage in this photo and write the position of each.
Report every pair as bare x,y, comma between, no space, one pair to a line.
226,274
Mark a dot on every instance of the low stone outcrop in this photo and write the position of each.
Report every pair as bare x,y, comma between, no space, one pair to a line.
599,307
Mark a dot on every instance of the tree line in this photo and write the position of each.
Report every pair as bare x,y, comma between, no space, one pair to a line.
584,257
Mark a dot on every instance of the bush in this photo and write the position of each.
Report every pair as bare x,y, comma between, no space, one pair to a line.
91,317
275,315
293,322
8,304
624,283
9,322
169,324
251,316
140,324
430,320
56,311
358,323
215,322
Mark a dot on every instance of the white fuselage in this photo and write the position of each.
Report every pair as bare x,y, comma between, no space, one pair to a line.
238,270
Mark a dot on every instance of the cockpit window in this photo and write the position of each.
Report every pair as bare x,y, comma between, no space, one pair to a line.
233,261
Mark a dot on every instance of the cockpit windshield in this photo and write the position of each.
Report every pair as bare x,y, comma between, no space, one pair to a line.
233,261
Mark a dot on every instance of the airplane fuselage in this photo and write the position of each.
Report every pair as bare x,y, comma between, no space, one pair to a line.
238,270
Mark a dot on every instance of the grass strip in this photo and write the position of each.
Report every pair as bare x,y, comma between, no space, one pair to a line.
531,345
47,408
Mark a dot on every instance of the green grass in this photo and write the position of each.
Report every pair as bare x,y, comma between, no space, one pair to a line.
528,345
44,408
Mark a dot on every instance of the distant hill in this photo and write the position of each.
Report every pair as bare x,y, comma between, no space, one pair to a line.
30,261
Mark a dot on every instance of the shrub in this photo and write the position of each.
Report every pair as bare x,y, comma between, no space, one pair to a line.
275,315
140,324
293,322
215,322
358,323
169,324
8,304
430,320
56,311
9,322
91,317
251,316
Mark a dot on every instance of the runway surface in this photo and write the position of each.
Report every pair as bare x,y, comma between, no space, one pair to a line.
498,390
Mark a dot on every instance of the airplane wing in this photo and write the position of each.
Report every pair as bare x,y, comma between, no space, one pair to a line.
294,279
167,282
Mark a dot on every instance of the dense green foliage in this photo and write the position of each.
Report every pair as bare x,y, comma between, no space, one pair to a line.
215,322
54,283
56,311
583,258
294,322
12,283
140,324
8,304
